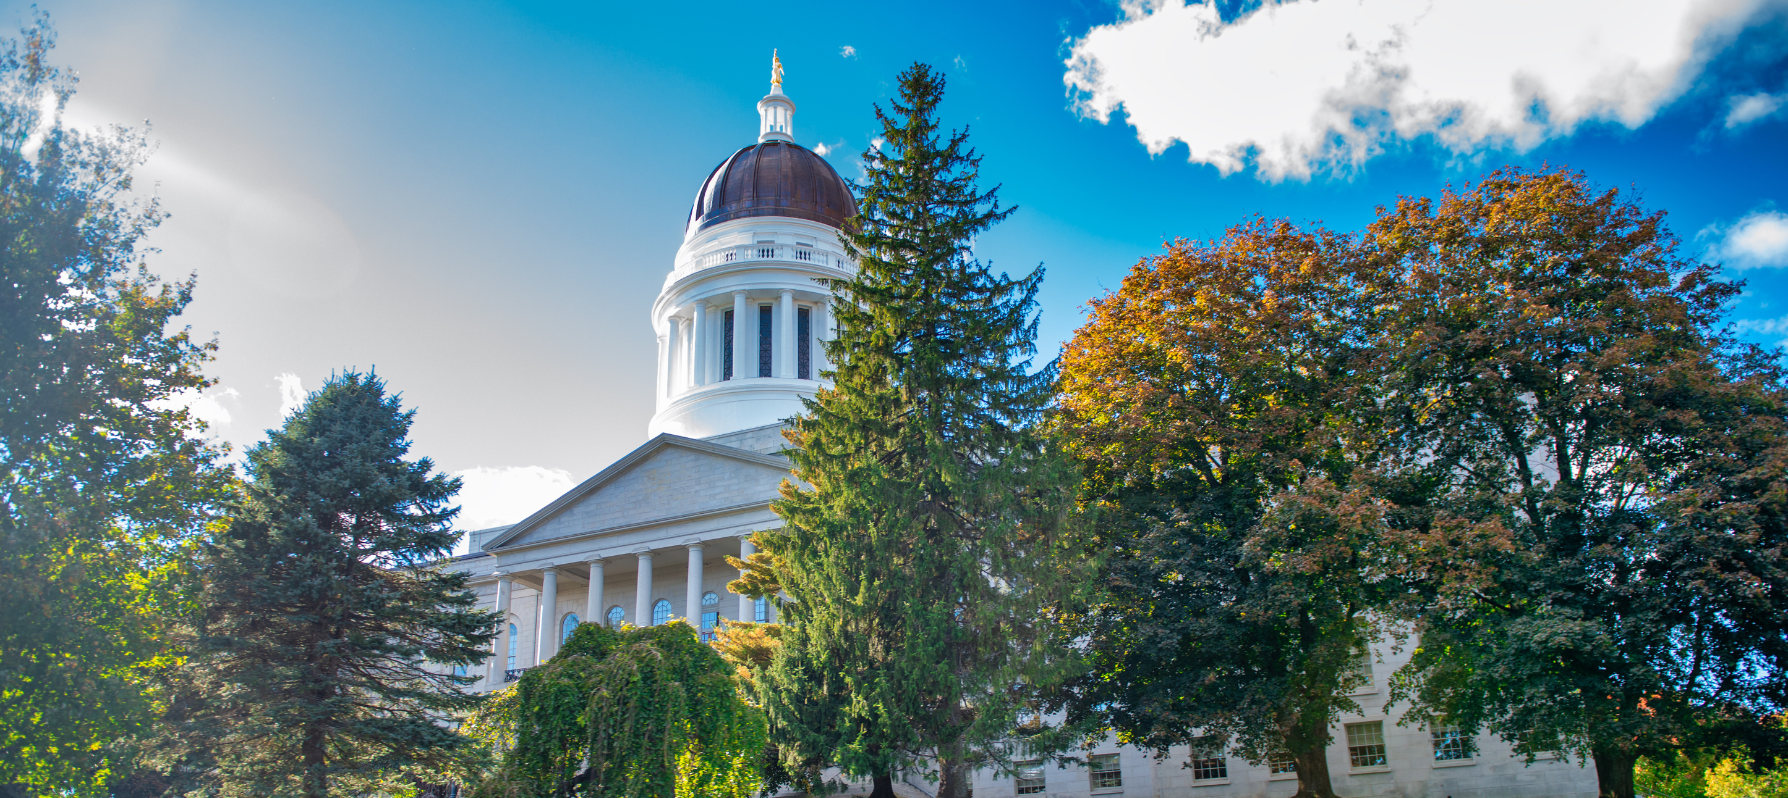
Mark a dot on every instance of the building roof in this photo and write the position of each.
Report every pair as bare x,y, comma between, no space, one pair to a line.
773,178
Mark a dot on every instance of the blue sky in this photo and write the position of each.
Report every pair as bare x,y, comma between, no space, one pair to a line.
481,200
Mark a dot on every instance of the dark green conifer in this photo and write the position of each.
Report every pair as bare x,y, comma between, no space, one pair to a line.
917,549
324,640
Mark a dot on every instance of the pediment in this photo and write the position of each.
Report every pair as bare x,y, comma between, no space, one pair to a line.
669,477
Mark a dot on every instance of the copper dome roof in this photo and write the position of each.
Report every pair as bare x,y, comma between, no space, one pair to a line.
774,178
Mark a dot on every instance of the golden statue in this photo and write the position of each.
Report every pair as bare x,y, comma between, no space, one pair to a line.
775,70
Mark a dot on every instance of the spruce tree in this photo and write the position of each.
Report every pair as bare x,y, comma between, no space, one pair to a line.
324,640
917,546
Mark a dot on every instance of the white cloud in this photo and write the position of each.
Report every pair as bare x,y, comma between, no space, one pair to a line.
848,51
1753,107
291,393
961,65
1771,328
1300,87
1758,240
822,149
206,407
497,496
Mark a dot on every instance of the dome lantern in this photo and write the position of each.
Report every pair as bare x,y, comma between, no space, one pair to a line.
776,112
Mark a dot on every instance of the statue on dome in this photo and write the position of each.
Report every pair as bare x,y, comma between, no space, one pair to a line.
775,70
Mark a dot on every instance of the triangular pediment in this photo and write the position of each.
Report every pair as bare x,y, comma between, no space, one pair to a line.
669,477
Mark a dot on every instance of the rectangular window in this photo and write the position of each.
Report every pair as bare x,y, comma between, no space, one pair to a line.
710,622
1362,668
1030,777
763,340
1106,773
1451,745
760,609
1365,745
1208,761
1279,764
726,347
804,343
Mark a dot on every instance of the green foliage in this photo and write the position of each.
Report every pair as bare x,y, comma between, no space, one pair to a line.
1565,382
1221,405
637,713
323,640
1708,775
925,534
103,476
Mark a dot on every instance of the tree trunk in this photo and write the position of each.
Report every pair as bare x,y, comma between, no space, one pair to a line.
1614,772
884,786
954,780
316,762
1313,773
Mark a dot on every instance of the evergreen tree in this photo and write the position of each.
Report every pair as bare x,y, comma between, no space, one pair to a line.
105,478
919,542
324,638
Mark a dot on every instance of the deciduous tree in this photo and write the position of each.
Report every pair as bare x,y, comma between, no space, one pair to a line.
1220,404
104,478
1563,377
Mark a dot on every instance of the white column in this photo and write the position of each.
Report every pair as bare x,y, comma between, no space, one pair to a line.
663,369
785,337
746,549
699,370
823,331
593,609
671,351
741,341
546,638
716,343
499,663
693,606
642,601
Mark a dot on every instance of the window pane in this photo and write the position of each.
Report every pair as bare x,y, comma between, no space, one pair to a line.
566,628
1208,761
710,622
512,646
1106,773
1450,744
763,340
760,610
804,343
726,347
1365,744
616,615
661,612
1281,763
1362,667
1030,778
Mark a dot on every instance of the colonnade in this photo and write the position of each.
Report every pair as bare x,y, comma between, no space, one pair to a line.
691,352
547,638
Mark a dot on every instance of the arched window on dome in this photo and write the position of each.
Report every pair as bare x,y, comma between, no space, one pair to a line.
567,627
661,612
615,616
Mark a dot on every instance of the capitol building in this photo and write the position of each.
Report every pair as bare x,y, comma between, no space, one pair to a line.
739,324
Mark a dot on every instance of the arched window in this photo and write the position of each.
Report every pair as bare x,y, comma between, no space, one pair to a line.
661,612
710,617
616,615
513,645
761,609
566,628
710,599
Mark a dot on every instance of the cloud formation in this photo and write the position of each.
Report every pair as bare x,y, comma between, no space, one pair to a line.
1758,240
848,51
206,407
497,496
1750,108
1296,88
291,393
